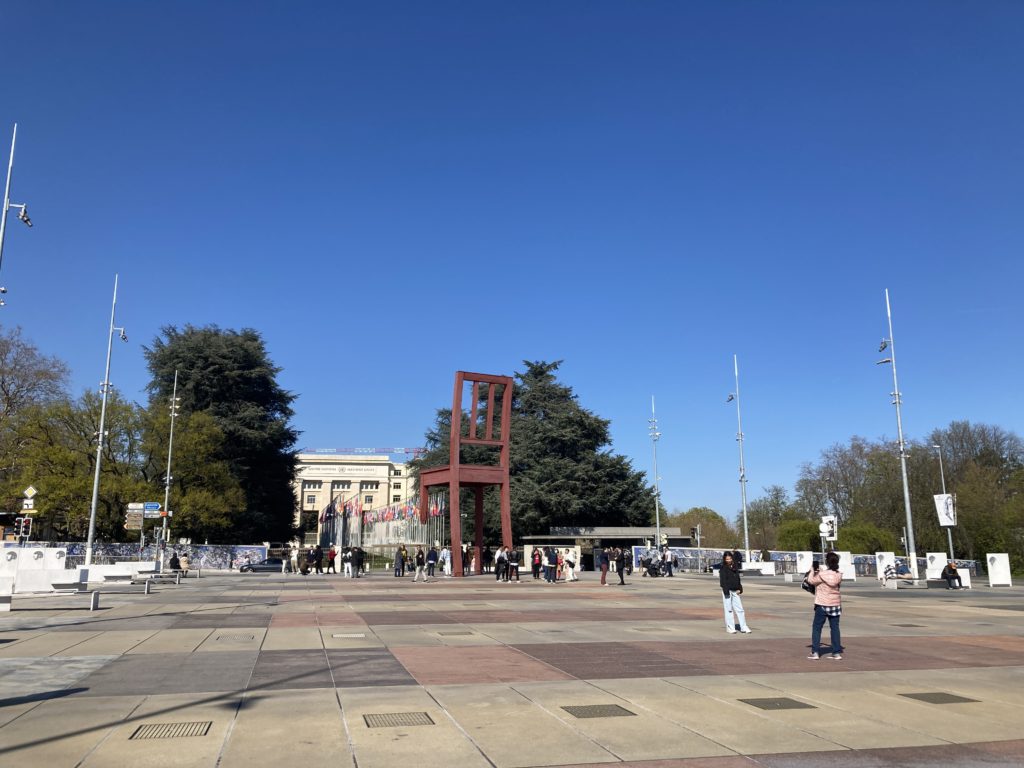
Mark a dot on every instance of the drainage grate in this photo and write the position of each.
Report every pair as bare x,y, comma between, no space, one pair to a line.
237,638
777,703
939,698
908,625
599,710
452,634
350,634
171,730
652,629
397,719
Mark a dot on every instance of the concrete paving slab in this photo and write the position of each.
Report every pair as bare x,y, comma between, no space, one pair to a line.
108,643
445,742
172,641
347,636
44,644
237,639
304,638
288,728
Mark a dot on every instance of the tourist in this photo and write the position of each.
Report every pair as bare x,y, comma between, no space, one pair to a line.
346,562
536,559
431,562
569,559
620,565
604,563
950,574
184,564
318,559
732,588
332,555
421,565
500,564
827,605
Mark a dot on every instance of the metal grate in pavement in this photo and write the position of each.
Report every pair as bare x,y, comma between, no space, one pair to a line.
907,625
171,730
449,634
652,629
349,634
237,638
397,719
939,698
599,710
777,703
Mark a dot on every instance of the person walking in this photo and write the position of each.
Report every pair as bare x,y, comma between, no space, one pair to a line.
535,562
605,563
569,559
358,558
487,558
332,555
421,565
828,605
620,565
318,559
729,580
501,565
512,565
431,562
346,563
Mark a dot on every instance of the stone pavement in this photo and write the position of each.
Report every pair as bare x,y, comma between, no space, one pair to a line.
252,670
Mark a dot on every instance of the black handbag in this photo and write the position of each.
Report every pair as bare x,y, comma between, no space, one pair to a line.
807,586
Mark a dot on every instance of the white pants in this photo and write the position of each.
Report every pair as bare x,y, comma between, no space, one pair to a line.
570,572
421,570
348,570
733,604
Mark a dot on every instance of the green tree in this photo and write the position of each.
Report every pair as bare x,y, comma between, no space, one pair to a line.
715,529
864,538
764,514
799,535
562,470
229,376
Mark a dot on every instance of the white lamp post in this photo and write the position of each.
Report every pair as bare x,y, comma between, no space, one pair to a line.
655,434
22,213
897,400
105,388
170,449
942,475
743,470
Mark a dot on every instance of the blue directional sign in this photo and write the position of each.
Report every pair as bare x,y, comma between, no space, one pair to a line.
152,506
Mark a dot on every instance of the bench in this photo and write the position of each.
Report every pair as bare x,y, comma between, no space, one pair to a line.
174,576
910,584
120,576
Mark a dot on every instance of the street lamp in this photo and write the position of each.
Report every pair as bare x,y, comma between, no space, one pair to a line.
655,434
942,474
175,403
22,212
743,471
105,388
897,401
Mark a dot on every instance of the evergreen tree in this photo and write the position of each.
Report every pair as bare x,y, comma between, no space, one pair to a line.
562,470
229,375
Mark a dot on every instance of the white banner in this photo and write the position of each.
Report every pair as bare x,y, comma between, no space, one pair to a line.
945,508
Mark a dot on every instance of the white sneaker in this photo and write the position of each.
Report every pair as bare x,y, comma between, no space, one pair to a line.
730,630
745,630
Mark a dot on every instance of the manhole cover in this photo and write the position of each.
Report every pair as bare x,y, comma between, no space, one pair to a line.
939,698
397,719
237,638
171,730
908,625
777,703
599,710
451,634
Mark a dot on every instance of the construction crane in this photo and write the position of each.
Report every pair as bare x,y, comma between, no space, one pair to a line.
414,452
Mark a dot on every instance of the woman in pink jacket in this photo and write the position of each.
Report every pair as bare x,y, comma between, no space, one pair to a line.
827,605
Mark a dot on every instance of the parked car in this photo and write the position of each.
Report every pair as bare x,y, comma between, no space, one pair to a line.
268,565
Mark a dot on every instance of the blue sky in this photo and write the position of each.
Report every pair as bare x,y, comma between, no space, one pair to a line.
393,191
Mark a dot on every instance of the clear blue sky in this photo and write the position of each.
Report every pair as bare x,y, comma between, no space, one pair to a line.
666,183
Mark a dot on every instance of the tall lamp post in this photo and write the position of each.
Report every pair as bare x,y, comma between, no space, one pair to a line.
897,400
105,388
942,474
743,470
23,211
175,400
655,434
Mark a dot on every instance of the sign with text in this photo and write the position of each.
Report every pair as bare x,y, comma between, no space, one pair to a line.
945,508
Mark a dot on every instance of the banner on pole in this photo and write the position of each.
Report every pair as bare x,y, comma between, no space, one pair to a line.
945,508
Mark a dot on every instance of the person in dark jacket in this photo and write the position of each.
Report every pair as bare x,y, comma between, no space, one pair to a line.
729,579
318,559
949,573
620,565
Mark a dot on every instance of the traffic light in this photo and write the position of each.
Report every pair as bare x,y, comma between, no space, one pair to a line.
23,527
693,533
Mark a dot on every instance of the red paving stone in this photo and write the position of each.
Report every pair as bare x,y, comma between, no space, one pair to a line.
280,620
473,664
334,619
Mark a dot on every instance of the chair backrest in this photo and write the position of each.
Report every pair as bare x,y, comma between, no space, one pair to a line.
495,435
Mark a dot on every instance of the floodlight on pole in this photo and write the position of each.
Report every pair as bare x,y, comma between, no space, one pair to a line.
22,208
743,470
101,434
897,400
655,435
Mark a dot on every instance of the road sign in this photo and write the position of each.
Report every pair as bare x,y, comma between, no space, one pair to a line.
27,504
30,492
136,506
151,514
152,506
133,527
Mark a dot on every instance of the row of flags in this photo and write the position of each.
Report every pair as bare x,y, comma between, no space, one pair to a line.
437,504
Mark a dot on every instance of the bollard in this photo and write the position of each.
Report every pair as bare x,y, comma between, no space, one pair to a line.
177,577
94,601
148,585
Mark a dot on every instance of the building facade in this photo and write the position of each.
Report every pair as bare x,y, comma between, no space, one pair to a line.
362,481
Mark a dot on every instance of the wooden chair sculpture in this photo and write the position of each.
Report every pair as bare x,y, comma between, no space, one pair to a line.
476,476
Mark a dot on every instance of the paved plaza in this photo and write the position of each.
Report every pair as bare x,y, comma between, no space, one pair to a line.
237,670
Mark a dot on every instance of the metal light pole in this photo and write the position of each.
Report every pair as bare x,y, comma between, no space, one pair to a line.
942,474
743,471
170,450
655,434
105,388
897,400
23,213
